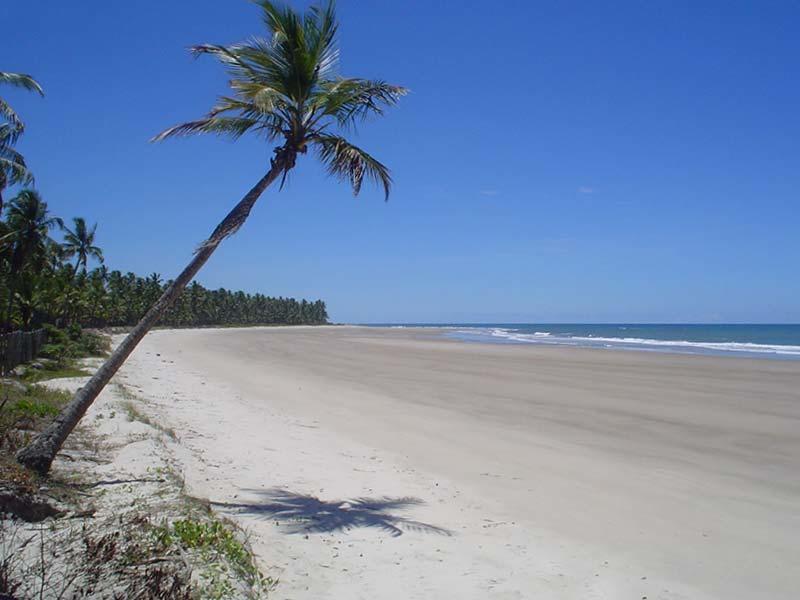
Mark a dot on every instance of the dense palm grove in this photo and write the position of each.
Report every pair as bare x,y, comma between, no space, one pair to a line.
44,281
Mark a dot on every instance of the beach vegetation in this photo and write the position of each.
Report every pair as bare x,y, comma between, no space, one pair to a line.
25,408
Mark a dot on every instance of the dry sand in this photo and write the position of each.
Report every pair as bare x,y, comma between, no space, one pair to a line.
381,464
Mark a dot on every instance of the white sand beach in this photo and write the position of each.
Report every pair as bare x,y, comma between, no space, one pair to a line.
392,464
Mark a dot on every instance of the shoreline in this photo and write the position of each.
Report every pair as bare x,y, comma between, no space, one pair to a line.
516,334
513,471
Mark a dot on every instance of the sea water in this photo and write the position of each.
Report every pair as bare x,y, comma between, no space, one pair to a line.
765,341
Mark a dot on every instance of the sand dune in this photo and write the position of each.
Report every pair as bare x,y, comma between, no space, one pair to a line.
375,463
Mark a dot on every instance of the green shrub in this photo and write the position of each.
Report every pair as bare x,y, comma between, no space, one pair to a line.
34,408
26,409
206,536
64,345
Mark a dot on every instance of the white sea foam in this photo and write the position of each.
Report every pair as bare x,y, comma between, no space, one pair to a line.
543,337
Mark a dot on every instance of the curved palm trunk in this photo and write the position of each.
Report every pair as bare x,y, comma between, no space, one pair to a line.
39,454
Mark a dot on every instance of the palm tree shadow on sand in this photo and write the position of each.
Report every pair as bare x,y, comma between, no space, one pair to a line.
300,513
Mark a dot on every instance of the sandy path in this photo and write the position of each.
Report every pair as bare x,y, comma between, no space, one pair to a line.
381,464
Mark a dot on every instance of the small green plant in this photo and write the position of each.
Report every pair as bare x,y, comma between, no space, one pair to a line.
215,585
129,405
53,371
212,536
24,409
224,555
27,407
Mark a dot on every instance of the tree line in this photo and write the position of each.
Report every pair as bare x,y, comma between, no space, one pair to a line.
46,281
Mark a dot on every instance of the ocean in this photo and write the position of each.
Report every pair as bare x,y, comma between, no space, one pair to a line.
763,341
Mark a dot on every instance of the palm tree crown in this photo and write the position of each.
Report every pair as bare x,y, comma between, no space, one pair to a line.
29,224
79,242
286,89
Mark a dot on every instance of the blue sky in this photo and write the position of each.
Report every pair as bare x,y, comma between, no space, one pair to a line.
555,161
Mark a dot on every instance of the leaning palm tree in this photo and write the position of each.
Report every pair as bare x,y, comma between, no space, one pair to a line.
286,90
80,244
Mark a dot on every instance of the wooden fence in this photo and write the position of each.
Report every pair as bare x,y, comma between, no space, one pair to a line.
20,347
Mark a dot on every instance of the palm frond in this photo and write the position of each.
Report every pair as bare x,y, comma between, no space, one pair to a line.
236,65
21,80
10,131
272,116
350,100
350,163
234,127
13,169
321,28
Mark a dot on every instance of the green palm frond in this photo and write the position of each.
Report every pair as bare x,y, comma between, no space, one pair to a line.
321,29
350,163
350,100
227,126
237,65
10,131
264,108
13,169
21,80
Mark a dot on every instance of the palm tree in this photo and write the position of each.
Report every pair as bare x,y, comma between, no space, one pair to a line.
80,244
12,165
286,90
29,224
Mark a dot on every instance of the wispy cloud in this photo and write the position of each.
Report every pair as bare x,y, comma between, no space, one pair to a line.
585,190
489,192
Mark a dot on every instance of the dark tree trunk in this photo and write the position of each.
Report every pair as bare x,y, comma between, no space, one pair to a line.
39,454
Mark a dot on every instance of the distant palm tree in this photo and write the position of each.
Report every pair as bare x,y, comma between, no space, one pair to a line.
13,169
27,237
80,244
286,90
